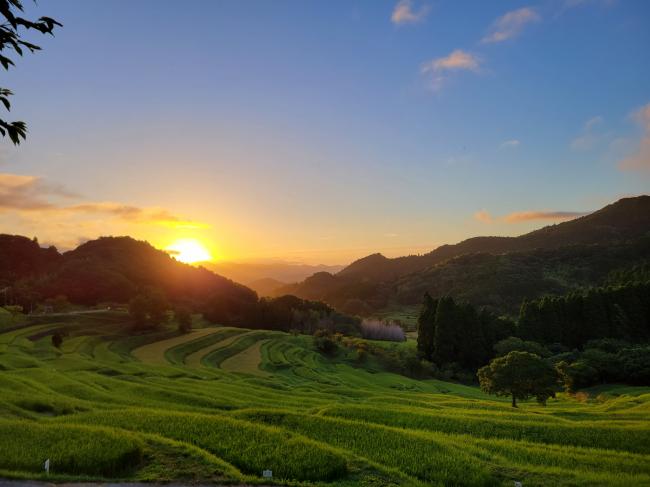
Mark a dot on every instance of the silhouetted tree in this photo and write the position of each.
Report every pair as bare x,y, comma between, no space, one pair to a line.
519,375
12,39
184,319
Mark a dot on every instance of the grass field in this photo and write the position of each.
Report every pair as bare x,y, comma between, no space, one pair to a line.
220,405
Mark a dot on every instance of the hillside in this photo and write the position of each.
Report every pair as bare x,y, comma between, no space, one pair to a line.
496,271
267,286
220,405
108,269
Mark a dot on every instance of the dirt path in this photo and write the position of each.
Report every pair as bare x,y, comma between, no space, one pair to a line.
154,353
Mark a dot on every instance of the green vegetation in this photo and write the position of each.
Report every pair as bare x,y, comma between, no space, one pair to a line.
222,404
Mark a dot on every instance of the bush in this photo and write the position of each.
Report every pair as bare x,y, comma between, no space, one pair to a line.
514,344
577,375
57,339
324,342
636,365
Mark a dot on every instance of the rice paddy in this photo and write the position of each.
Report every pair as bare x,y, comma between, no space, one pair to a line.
222,404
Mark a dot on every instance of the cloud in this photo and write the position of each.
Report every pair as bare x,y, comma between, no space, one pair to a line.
457,60
30,194
523,216
511,24
483,216
404,13
27,192
587,139
640,160
510,143
579,3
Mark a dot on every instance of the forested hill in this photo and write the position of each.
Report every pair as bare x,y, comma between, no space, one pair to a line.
497,272
107,269
625,219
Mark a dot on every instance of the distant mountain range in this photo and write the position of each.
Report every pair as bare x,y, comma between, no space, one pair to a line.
267,277
497,272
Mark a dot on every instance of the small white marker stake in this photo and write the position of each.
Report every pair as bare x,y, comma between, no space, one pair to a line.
46,466
267,474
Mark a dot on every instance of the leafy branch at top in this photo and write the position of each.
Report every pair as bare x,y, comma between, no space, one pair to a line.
11,40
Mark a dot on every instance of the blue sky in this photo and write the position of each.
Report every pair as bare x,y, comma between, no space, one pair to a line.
323,131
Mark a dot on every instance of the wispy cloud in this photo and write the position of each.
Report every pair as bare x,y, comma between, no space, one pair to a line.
511,24
525,216
579,3
457,60
510,144
483,216
640,160
403,13
588,138
31,194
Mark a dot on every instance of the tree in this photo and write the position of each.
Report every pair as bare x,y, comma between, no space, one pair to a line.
184,319
426,327
445,332
510,344
148,309
138,310
12,39
520,375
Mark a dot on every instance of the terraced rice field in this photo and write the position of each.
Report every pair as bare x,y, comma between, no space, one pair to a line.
221,404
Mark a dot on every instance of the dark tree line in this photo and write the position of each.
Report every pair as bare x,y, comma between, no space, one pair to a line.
284,313
590,337
621,312
450,332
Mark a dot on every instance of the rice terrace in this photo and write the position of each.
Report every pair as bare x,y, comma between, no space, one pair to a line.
353,243
162,407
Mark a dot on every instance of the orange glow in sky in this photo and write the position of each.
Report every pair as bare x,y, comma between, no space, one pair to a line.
189,250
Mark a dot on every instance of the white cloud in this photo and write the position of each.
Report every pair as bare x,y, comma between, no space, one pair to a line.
457,60
404,13
510,143
640,160
511,24
588,138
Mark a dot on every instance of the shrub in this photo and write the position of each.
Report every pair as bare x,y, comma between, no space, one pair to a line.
324,342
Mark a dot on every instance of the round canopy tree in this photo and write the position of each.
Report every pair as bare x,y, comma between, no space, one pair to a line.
520,375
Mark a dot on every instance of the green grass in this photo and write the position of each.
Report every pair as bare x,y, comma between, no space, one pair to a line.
222,405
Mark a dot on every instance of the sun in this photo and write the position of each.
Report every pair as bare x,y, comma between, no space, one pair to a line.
189,250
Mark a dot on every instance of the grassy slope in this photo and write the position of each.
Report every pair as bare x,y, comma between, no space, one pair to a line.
99,413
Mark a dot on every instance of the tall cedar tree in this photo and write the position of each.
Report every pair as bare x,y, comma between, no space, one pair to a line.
426,323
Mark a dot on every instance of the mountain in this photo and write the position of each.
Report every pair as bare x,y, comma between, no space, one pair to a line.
249,272
21,257
266,286
110,269
609,239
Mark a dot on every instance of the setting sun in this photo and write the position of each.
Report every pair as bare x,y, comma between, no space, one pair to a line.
189,251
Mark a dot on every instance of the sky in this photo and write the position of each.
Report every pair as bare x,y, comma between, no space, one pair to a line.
320,132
